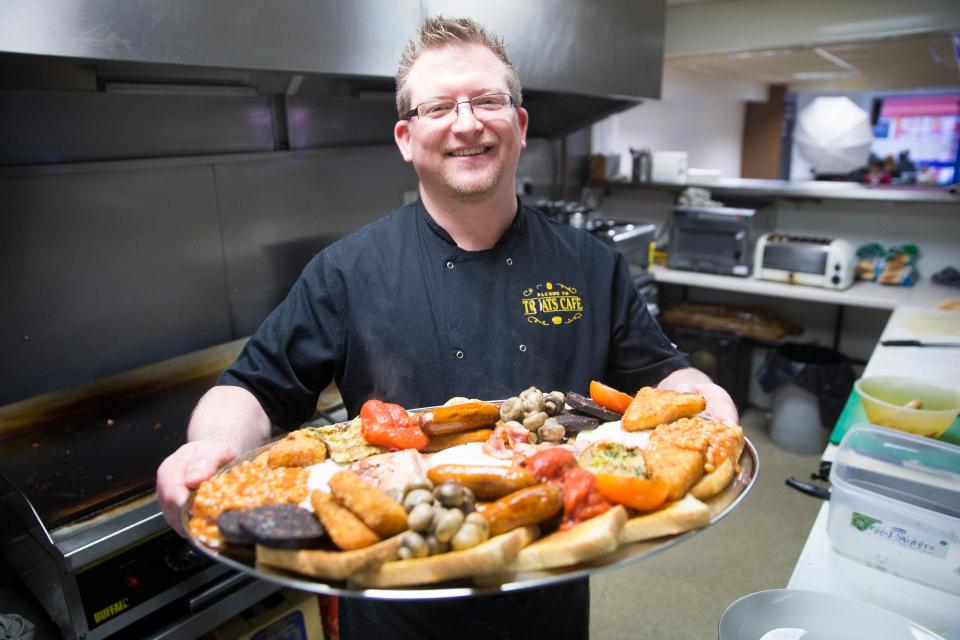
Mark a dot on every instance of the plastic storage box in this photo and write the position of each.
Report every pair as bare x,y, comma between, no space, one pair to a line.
895,504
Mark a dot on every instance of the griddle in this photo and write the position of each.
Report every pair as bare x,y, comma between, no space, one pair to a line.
104,454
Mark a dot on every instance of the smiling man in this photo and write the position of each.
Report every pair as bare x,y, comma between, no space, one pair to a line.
463,293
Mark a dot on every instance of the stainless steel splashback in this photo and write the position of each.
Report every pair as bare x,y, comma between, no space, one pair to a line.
608,53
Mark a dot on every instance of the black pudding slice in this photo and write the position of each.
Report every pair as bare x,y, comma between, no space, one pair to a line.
283,526
229,524
579,403
574,423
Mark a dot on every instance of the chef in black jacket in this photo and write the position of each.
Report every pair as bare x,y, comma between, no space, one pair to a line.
463,293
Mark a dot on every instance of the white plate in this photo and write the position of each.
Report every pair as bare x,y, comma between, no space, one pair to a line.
787,614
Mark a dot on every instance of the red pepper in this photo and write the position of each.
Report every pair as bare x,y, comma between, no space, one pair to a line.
389,425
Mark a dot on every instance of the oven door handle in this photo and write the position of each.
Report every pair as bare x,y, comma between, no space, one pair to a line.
226,586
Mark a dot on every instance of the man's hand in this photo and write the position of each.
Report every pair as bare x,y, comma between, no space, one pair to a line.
183,472
719,404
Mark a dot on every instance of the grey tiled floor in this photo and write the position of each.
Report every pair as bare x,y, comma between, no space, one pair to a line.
682,592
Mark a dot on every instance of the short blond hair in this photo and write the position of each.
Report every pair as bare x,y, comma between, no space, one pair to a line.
439,32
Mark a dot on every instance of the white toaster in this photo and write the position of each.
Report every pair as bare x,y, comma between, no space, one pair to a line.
818,262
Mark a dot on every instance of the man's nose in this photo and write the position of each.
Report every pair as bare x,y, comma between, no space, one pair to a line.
465,119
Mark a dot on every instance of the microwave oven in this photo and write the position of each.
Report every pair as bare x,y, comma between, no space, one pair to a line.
715,239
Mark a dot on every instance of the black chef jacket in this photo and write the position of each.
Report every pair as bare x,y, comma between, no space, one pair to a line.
398,312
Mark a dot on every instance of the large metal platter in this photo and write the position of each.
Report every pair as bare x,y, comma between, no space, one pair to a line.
720,507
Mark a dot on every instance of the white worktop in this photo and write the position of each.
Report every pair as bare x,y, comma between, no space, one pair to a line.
861,294
819,567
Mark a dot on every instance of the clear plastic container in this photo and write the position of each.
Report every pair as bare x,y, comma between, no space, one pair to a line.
895,504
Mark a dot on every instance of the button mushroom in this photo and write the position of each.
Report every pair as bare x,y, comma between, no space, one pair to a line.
511,409
534,420
412,545
532,400
551,431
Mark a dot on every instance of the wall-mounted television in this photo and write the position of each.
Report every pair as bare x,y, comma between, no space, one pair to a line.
927,127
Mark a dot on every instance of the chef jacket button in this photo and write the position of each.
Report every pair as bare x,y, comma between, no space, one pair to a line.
509,261
523,347
459,355
449,264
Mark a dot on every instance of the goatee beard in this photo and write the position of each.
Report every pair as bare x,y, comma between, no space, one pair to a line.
474,190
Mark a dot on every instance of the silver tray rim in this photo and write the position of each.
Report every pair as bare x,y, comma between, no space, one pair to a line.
621,557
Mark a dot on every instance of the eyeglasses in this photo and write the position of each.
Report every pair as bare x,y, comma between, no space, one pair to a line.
482,107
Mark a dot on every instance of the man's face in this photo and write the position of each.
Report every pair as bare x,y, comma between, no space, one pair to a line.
462,156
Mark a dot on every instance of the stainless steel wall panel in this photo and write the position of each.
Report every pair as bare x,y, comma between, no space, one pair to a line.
601,47
51,127
330,121
277,214
106,271
361,37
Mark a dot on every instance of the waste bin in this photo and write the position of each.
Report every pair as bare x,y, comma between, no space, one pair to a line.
810,384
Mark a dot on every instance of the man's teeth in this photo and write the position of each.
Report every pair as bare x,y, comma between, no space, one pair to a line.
468,152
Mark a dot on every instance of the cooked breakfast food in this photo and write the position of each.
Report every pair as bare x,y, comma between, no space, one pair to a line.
228,523
345,442
678,468
527,506
448,440
382,514
585,405
245,486
459,417
346,530
283,526
391,497
486,482
300,448
604,456
652,407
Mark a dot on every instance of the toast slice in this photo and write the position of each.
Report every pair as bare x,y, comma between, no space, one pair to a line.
588,540
651,407
717,480
329,565
676,517
488,557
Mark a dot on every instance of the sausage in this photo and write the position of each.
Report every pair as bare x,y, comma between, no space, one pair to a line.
530,505
460,417
486,482
447,440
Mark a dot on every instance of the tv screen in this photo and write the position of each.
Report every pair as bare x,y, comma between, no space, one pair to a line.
927,128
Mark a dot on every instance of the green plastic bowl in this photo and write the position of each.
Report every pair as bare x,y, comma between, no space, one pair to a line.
884,397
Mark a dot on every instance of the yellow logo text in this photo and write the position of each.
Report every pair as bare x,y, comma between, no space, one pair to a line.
111,610
552,303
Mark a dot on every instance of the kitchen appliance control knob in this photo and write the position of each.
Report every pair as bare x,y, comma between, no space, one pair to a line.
182,558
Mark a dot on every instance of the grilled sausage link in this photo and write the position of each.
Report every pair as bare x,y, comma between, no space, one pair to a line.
486,482
460,417
447,440
527,506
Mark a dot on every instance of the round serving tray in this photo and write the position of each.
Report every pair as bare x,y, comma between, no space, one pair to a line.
720,507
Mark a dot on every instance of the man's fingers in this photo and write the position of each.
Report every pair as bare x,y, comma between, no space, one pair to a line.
202,467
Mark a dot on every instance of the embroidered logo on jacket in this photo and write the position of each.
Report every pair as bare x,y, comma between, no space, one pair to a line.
552,303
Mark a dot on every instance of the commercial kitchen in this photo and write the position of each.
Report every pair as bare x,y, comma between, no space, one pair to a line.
167,169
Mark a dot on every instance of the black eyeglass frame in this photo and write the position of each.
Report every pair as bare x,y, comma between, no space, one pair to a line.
409,115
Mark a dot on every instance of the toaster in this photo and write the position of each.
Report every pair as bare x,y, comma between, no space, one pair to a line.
818,262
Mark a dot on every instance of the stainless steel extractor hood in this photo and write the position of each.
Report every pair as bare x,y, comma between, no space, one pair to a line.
578,61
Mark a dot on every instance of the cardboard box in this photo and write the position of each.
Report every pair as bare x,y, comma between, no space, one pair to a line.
287,615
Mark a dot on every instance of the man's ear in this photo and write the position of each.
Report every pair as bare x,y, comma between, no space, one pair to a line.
523,118
401,135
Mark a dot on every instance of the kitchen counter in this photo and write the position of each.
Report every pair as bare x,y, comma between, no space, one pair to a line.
819,567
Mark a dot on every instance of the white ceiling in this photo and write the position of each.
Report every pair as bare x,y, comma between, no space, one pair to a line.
910,60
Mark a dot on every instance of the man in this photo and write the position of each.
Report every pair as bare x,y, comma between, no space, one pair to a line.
462,293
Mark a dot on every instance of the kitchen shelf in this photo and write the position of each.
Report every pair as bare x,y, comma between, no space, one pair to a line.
806,190
862,294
